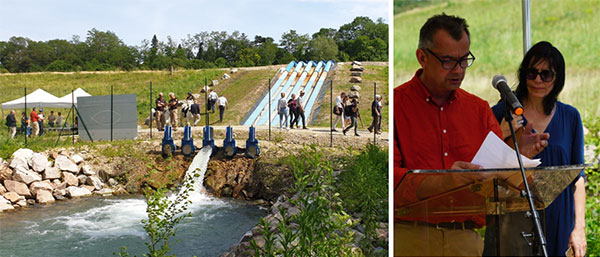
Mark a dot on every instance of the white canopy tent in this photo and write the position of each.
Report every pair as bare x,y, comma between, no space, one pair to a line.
69,98
38,98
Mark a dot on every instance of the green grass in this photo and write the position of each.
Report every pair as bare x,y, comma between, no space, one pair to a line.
496,41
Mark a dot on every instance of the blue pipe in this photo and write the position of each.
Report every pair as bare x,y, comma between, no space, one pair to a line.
263,101
313,97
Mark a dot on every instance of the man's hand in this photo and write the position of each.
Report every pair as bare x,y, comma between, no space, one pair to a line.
531,144
460,165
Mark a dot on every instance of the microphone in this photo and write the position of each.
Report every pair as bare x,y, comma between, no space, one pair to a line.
509,98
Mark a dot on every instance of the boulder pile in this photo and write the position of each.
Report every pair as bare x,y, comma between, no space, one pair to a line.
42,178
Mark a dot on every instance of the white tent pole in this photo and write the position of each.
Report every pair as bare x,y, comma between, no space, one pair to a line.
526,4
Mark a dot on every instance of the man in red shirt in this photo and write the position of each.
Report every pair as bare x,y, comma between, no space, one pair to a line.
35,126
437,125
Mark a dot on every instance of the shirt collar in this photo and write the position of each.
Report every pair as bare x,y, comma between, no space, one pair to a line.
423,93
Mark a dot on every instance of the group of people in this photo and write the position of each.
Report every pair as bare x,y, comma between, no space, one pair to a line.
293,109
190,109
346,110
438,125
34,124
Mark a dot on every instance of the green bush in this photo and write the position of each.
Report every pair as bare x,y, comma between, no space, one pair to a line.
592,213
363,188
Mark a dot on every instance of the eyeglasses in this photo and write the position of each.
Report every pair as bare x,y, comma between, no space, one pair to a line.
545,75
451,64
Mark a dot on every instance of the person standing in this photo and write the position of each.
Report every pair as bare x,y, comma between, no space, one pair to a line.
438,125
300,110
161,107
222,106
338,110
33,119
283,111
292,109
59,119
41,121
376,113
212,99
25,124
51,119
195,110
352,111
541,79
11,123
172,105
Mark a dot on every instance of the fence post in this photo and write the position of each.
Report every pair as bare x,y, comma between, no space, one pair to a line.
269,120
25,132
331,115
150,110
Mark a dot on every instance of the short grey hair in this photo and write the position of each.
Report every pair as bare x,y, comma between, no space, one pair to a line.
454,25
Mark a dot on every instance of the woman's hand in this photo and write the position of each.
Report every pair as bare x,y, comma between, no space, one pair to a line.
578,242
517,124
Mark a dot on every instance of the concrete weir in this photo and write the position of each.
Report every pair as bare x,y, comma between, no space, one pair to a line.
297,76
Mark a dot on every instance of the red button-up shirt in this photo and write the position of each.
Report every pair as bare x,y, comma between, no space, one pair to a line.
34,117
428,136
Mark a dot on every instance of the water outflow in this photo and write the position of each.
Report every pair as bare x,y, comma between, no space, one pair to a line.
198,166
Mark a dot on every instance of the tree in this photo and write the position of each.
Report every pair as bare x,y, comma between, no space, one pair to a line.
323,48
267,52
295,44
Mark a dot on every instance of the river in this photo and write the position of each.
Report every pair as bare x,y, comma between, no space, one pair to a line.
98,226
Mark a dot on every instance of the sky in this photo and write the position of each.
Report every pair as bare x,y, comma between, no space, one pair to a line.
136,20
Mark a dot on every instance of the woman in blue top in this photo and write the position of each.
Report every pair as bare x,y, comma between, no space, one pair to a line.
541,78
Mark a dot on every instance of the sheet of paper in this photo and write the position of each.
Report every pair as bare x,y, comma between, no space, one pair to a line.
494,153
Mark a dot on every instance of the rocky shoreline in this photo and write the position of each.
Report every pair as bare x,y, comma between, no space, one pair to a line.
43,178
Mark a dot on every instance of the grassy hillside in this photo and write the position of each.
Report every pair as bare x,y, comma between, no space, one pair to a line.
373,74
496,42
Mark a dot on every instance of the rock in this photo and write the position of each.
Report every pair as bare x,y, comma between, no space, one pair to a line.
105,174
112,182
88,187
17,187
76,158
234,71
357,68
355,88
2,189
36,187
64,164
120,191
5,205
59,197
44,197
356,63
26,176
225,76
74,191
87,170
5,173
104,192
39,162
51,173
53,155
30,202
59,184
70,179
21,157
356,74
82,178
382,234
13,197
353,95
57,193
355,79
214,83
94,181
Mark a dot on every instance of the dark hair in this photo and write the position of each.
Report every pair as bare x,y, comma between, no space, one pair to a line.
454,25
542,51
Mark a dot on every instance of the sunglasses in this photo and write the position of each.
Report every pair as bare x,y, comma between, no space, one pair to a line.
545,75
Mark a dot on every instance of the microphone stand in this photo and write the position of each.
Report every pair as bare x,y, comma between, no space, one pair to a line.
527,192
